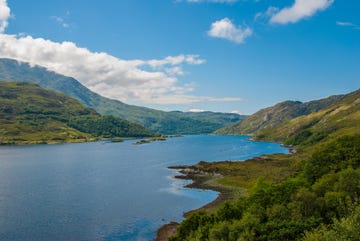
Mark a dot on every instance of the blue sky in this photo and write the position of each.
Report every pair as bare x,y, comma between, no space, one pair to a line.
213,55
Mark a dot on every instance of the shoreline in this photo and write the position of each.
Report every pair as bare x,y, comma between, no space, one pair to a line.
70,141
199,181
205,180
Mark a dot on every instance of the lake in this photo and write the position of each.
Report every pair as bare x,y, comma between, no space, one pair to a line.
106,191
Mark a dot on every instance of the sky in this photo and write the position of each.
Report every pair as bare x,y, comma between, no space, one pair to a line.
219,55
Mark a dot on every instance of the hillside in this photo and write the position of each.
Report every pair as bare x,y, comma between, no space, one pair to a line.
30,114
310,195
155,120
340,118
275,115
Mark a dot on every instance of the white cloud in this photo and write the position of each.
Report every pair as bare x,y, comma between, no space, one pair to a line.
225,29
266,15
61,21
107,75
237,112
345,24
136,81
175,60
4,15
348,24
299,10
197,110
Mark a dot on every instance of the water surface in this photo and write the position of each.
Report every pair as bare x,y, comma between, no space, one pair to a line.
106,191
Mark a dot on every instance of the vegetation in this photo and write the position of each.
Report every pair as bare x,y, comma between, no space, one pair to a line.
151,139
311,195
154,120
30,114
341,118
283,209
276,115
108,127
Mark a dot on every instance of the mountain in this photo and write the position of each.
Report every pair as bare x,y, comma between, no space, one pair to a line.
339,119
311,194
31,114
155,120
275,115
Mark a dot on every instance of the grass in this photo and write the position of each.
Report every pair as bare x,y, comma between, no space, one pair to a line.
32,115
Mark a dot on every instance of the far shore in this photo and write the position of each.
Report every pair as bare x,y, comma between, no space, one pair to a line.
70,141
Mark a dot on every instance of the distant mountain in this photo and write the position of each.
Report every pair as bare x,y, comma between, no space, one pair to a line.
155,120
30,114
274,116
341,118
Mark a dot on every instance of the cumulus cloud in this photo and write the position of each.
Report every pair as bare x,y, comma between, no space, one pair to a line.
225,29
152,81
299,10
107,75
4,15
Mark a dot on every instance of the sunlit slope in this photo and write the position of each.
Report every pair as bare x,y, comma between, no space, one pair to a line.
274,116
340,118
155,120
30,114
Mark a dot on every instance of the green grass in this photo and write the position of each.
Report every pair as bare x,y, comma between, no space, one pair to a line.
31,115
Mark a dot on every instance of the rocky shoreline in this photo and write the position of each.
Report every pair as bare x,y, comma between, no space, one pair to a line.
199,180
204,175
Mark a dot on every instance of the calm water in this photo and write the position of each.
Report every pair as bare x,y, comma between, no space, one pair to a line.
106,191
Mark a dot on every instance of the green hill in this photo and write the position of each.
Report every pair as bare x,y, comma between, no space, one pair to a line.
155,120
310,195
275,115
340,118
30,114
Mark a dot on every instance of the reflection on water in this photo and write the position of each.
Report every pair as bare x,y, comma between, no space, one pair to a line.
106,191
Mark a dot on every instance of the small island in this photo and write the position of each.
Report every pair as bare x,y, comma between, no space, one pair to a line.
151,139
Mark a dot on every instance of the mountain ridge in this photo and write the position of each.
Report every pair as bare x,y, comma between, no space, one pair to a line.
155,120
340,118
275,115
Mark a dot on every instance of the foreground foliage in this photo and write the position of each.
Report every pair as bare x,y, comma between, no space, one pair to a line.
311,195
321,200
